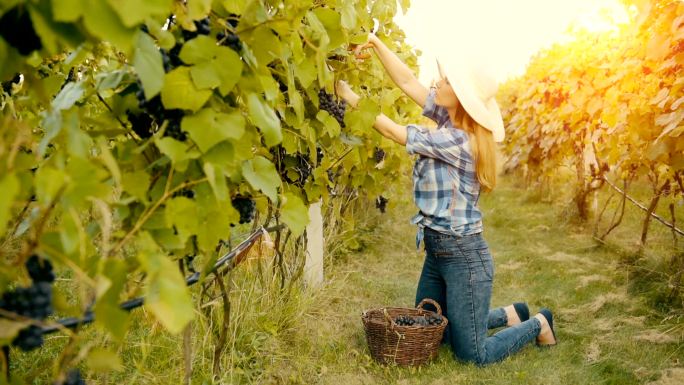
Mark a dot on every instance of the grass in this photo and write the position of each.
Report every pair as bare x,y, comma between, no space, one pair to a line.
612,328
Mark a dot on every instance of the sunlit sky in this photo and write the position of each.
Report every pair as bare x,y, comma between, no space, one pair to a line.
505,33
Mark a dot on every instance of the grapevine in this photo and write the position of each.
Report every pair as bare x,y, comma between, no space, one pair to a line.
616,122
133,150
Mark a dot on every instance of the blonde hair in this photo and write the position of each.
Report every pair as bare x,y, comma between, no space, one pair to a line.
482,146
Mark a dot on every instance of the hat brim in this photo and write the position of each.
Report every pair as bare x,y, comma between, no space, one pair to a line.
487,114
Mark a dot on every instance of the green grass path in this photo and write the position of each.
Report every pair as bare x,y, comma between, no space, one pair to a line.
608,334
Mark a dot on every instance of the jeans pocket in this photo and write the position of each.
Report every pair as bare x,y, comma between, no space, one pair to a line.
485,268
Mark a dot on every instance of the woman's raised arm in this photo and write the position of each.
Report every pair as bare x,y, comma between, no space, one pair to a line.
383,124
400,73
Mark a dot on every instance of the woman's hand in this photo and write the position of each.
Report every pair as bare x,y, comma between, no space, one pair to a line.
370,43
344,91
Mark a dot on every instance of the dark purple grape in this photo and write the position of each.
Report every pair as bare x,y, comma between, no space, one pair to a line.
233,20
34,301
230,40
29,338
336,109
246,206
379,155
203,26
39,269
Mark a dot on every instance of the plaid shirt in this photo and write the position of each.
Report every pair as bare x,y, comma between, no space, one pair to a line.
445,184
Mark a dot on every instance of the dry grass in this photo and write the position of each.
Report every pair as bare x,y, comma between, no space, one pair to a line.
610,329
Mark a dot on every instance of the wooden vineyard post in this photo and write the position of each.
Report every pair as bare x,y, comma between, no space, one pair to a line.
313,265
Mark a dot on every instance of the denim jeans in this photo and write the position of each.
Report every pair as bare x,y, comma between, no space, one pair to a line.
458,273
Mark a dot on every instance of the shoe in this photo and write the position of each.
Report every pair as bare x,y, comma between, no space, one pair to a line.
522,310
549,318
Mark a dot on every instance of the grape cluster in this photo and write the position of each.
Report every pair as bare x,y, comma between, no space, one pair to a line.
29,338
33,302
202,27
379,155
300,164
246,206
17,29
381,203
153,111
230,39
334,108
303,168
39,269
73,377
424,320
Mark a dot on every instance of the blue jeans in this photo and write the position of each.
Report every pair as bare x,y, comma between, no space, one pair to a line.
458,273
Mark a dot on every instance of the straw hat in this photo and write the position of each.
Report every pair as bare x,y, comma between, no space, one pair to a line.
476,90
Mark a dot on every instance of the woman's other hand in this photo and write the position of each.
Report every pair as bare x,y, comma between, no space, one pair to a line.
344,91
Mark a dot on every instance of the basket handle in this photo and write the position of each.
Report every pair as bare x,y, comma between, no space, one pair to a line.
388,318
431,302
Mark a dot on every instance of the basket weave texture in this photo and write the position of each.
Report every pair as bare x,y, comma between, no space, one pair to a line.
402,345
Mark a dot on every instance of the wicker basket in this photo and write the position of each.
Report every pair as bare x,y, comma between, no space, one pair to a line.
403,345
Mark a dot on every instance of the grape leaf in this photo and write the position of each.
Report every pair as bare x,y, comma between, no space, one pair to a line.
263,117
167,295
348,15
262,175
108,313
198,8
190,98
103,22
294,213
68,10
207,127
136,183
147,62
199,50
133,12
216,180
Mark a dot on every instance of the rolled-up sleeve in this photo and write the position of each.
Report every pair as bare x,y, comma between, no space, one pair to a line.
432,111
446,144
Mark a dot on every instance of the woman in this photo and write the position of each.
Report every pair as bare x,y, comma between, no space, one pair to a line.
456,162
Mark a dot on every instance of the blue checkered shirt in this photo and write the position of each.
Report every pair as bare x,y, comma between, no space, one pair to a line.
446,189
